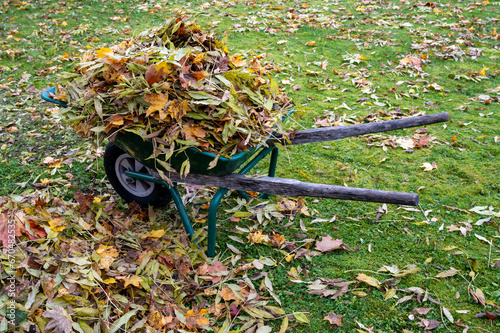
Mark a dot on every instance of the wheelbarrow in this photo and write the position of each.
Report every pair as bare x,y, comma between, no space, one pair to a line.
135,177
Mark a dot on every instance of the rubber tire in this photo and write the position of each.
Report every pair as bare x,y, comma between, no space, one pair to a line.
159,196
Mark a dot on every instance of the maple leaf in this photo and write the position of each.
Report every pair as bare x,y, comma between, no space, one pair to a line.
59,322
238,61
153,76
227,294
194,319
327,243
57,224
413,62
193,131
158,102
177,109
257,236
134,280
277,240
334,319
105,262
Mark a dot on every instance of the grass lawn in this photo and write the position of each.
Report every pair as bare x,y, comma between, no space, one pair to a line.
410,269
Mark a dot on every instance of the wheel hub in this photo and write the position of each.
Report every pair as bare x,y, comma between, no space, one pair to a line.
137,187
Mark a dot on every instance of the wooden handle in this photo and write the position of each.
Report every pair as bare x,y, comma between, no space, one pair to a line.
340,132
294,188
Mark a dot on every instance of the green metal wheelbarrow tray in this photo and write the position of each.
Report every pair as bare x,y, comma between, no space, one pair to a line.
135,177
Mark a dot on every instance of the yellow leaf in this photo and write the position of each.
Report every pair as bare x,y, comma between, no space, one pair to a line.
158,102
483,71
177,109
428,260
154,234
109,281
369,280
134,280
359,293
311,44
57,224
101,53
238,61
361,57
290,257
167,68
257,237
389,294
104,250
293,274
105,262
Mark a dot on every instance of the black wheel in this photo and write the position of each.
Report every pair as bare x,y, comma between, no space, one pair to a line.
116,162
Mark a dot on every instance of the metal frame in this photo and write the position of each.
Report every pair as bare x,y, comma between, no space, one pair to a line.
214,203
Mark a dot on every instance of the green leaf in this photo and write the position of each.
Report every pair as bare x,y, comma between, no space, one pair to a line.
301,317
122,321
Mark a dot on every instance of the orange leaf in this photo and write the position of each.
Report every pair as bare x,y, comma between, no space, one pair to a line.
194,319
157,101
238,61
227,294
104,250
192,132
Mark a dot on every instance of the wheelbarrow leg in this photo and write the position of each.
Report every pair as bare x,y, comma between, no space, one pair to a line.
212,220
181,209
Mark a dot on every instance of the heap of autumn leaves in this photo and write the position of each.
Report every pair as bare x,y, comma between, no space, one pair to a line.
176,86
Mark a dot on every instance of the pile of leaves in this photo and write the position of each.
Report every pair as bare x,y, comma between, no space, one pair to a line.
177,86
78,265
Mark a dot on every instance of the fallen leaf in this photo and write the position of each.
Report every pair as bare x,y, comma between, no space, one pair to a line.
448,273
196,319
59,320
134,280
368,280
334,319
327,244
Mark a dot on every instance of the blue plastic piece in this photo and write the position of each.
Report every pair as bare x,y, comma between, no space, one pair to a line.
52,90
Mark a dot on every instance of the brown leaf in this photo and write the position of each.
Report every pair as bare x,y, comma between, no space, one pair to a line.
153,76
429,324
59,322
334,319
277,240
489,315
328,244
452,271
421,311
